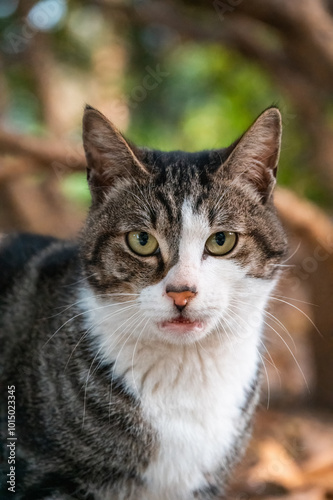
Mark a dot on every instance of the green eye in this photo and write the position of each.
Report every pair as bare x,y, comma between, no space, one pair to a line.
221,243
142,243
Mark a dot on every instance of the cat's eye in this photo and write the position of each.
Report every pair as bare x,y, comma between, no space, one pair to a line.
142,243
221,243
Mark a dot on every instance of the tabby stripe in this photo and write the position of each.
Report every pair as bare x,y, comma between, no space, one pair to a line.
205,179
101,242
265,246
166,204
203,197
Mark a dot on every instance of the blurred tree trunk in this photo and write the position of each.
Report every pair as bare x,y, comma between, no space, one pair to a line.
314,266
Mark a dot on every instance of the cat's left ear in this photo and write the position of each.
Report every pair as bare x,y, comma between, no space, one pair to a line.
109,156
254,159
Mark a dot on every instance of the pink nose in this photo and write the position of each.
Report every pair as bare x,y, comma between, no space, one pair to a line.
181,298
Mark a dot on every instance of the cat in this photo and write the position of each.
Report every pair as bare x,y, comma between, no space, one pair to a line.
134,353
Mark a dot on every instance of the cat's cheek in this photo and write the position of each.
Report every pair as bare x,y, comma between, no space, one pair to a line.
221,279
156,305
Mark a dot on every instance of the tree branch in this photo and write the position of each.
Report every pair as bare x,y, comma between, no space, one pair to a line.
45,152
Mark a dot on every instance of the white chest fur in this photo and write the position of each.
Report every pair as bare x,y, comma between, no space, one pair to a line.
192,396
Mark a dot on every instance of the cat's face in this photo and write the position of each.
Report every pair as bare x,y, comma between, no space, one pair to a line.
189,238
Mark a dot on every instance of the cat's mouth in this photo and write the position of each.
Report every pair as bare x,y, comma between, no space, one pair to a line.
182,325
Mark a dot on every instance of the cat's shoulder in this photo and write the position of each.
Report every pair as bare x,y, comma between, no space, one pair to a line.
20,252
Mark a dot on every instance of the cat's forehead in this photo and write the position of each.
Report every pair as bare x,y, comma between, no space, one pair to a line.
180,175
176,178
182,172
161,160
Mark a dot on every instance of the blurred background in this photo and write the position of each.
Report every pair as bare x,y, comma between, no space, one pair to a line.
193,75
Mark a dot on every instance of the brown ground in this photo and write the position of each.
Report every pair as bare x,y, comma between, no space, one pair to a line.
290,458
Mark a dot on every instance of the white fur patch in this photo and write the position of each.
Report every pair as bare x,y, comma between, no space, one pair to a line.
192,389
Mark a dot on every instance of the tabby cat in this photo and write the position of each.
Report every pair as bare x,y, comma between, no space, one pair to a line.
134,353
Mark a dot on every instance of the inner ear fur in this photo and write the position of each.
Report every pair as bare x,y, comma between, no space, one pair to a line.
254,160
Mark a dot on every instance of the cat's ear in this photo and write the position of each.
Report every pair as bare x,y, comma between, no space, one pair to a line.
255,157
109,156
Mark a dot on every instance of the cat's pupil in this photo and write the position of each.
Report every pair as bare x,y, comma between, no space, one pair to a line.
220,239
143,238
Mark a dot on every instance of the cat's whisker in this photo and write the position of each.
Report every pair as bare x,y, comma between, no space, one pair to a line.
109,316
294,358
279,323
122,347
261,359
227,335
235,304
202,347
136,344
129,320
289,349
108,294
79,281
299,310
291,353
96,355
294,299
281,265
270,360
267,379
235,317
81,314
86,387
83,336
129,335
294,253
122,335
67,307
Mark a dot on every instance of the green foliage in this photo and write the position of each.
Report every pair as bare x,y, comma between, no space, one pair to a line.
202,97
208,99
23,108
76,188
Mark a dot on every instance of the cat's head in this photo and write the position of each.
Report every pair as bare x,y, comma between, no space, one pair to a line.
191,239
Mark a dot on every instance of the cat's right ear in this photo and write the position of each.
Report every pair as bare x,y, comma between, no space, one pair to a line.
109,156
